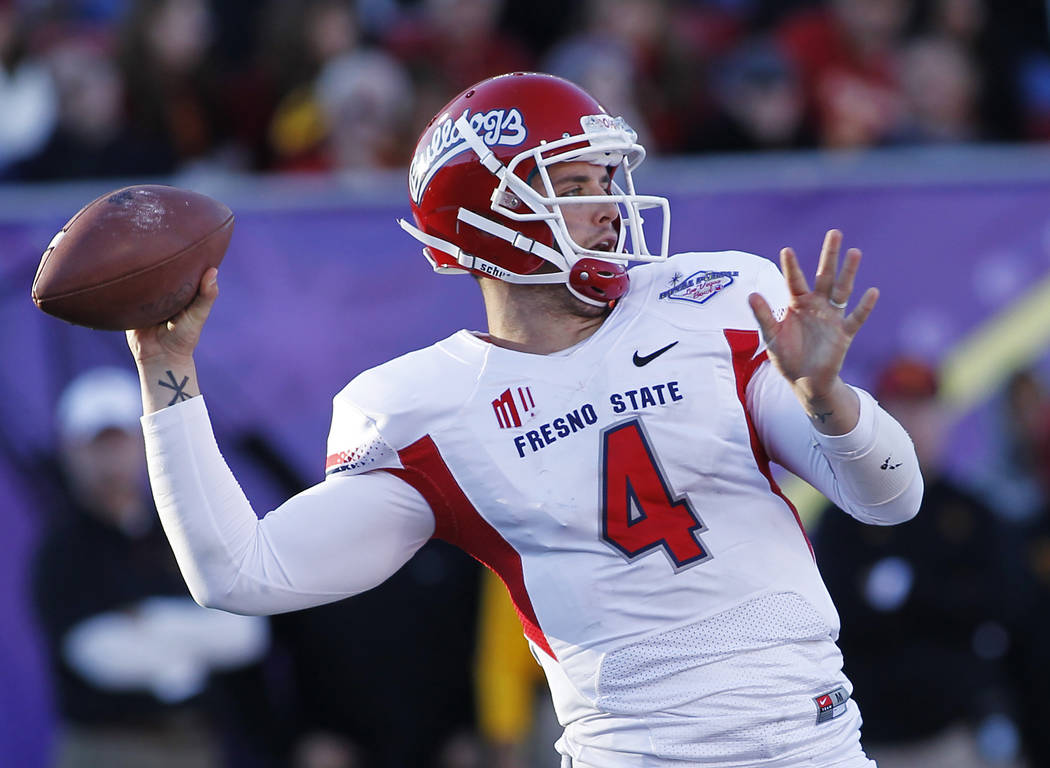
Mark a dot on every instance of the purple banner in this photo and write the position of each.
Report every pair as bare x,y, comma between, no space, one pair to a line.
312,296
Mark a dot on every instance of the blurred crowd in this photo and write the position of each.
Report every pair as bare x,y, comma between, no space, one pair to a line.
944,618
143,677
120,88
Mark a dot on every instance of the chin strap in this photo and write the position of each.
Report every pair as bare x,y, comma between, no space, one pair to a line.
512,236
468,262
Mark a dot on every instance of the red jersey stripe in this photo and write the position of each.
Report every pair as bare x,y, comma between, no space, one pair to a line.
744,345
459,523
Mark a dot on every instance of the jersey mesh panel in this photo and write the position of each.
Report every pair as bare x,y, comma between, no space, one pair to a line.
745,729
373,453
647,674
678,669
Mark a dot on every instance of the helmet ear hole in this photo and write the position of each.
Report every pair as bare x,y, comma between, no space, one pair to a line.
600,280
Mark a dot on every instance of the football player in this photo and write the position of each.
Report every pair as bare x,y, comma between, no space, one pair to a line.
604,447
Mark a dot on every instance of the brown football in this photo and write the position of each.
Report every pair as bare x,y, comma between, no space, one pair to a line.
132,258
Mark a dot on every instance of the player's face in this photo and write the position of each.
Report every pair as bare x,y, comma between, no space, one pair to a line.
591,225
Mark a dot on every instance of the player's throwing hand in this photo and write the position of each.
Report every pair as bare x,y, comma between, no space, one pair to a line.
178,336
164,352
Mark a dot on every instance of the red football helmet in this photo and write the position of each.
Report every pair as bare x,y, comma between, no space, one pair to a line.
474,206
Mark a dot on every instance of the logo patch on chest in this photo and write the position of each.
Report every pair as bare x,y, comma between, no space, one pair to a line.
507,412
831,704
698,287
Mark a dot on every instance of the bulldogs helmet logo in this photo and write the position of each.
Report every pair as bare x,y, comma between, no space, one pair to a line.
503,127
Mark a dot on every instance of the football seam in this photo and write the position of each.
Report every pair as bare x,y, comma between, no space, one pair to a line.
171,258
65,228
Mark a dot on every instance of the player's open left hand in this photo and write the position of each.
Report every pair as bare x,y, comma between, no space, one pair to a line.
177,337
809,344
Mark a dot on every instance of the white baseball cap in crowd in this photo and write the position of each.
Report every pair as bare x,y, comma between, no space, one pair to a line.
99,399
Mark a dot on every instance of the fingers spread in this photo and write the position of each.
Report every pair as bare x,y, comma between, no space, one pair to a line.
763,314
855,319
829,262
796,280
843,287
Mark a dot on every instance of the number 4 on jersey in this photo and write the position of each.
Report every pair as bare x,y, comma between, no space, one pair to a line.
639,510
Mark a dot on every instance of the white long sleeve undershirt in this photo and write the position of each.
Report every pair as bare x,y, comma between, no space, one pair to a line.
871,472
336,539
351,532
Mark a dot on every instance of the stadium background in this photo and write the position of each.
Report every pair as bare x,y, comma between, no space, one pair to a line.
319,284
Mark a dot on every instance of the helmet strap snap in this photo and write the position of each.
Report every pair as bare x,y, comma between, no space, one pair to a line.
598,281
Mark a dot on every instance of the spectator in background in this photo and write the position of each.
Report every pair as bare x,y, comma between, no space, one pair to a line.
606,69
965,48
1019,485
995,37
28,98
133,657
759,101
660,48
960,20
450,44
928,609
847,52
1031,654
174,97
233,83
940,88
93,138
1034,92
365,100
541,24
760,16
302,40
1018,480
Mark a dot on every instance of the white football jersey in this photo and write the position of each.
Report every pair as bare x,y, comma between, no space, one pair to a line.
622,493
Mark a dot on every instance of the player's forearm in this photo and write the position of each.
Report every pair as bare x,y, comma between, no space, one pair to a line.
208,521
871,471
875,468
167,380
834,412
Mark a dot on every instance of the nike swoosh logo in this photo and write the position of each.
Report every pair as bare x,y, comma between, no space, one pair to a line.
640,360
